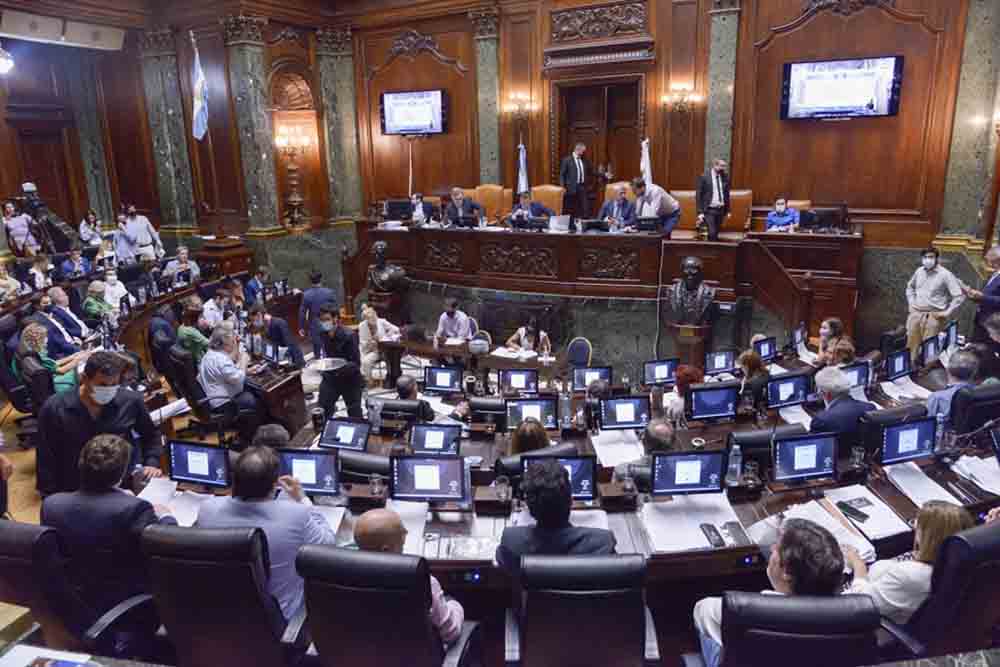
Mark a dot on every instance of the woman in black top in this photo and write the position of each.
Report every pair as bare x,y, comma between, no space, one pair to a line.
755,377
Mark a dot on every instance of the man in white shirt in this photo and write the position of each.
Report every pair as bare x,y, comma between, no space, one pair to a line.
652,201
222,375
141,235
573,174
215,308
933,295
453,323
114,290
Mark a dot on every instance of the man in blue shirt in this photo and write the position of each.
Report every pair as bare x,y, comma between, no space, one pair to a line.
531,209
75,266
782,218
312,299
962,369
619,209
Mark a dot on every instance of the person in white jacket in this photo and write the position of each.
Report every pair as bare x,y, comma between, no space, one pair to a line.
372,330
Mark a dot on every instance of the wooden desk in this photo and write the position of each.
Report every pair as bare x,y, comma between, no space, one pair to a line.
282,393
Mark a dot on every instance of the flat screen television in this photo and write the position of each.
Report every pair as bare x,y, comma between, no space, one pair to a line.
860,88
417,112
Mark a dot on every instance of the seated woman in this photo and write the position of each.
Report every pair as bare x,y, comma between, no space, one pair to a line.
529,337
371,332
844,352
683,378
898,586
529,436
831,332
34,343
755,377
10,287
39,273
189,334
94,306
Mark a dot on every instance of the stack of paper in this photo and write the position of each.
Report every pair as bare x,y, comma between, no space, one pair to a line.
454,341
882,522
858,394
796,414
984,473
913,483
183,506
614,447
504,353
911,388
414,516
333,515
677,525
775,369
805,354
830,518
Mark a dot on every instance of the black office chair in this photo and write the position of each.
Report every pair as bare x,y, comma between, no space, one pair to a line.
972,407
795,630
159,354
210,586
207,290
369,607
511,465
204,418
37,379
358,467
33,575
17,392
598,600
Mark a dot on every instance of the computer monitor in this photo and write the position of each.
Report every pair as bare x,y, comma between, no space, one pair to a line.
686,473
427,478
315,470
803,458
660,372
444,379
197,463
897,364
767,349
593,225
183,277
345,434
270,352
788,389
799,335
909,440
858,373
436,439
545,410
930,348
624,413
582,377
582,472
518,379
951,335
398,209
720,362
713,400
488,411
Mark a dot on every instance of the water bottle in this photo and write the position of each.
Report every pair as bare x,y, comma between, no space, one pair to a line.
735,466
939,431
375,416
566,409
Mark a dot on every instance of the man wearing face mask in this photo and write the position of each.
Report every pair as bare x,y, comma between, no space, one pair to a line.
713,198
277,331
933,295
214,310
782,218
340,343
61,343
69,420
141,235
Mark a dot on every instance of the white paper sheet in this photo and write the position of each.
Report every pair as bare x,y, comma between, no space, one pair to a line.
893,391
910,387
504,353
858,394
796,414
23,655
984,473
826,516
454,341
676,525
333,515
414,516
775,369
805,354
614,447
159,491
169,410
185,507
913,483
882,522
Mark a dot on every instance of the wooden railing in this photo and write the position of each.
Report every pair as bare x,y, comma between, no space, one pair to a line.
774,286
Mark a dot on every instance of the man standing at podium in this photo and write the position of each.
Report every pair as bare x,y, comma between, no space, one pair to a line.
713,198
573,175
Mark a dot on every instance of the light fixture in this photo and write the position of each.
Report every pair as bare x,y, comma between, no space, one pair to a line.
521,108
6,61
682,98
290,140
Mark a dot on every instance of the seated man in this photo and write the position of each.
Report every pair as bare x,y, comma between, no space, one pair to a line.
806,561
63,314
423,212
782,218
61,343
101,525
453,323
525,208
222,374
546,489
382,530
371,332
215,309
658,436
652,201
619,209
842,412
10,287
289,522
963,366
277,331
75,266
406,390
460,207
274,436
176,267
339,343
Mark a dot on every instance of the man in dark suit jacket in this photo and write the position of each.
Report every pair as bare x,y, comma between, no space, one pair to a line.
619,208
842,413
429,211
101,525
573,174
312,300
62,313
60,343
546,488
277,331
713,198
988,299
460,207
530,208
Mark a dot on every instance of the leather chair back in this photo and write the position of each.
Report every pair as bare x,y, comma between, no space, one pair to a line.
8,327
357,467
207,290
800,204
159,353
37,378
367,607
740,203
15,390
184,371
579,352
795,630
491,197
210,586
971,407
965,594
434,201
550,196
511,465
598,600
508,201
609,191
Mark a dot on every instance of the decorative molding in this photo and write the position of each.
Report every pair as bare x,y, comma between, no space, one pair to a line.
487,22
443,255
515,258
610,263
242,29
844,7
964,243
288,34
335,41
410,44
602,22
553,61
158,43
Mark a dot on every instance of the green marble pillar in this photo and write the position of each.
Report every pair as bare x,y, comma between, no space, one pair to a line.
487,21
83,89
335,69
169,132
723,42
244,39
970,164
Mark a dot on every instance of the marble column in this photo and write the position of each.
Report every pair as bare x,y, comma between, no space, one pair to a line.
335,68
723,42
169,132
487,22
244,39
83,88
970,162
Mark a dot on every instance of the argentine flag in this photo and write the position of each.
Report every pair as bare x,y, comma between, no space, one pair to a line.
645,164
199,116
522,170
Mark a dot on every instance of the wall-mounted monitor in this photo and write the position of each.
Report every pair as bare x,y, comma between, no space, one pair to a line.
417,112
835,89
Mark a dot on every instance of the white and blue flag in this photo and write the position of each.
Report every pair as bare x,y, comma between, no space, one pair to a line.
199,115
522,170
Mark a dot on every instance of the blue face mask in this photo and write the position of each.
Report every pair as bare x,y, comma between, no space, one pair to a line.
104,395
326,327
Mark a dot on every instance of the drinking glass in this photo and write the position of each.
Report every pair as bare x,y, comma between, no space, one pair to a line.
502,487
857,457
376,485
751,473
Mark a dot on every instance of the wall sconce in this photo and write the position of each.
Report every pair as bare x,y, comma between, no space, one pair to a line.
682,98
290,140
520,107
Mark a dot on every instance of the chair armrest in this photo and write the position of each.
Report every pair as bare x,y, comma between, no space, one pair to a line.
913,646
511,638
127,611
652,652
296,638
692,660
467,645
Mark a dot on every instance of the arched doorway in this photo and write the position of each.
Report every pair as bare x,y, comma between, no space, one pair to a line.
302,192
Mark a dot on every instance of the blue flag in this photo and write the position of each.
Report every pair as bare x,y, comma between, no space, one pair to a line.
199,115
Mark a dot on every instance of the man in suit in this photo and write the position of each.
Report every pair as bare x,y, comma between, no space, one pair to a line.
619,209
423,212
573,174
546,489
75,266
988,299
525,208
407,390
61,343
254,289
460,207
312,299
713,198
62,313
842,412
277,331
101,525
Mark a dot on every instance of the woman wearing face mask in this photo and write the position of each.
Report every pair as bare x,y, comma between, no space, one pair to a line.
90,230
831,332
34,344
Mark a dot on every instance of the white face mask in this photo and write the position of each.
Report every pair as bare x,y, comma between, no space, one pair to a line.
104,395
111,280
928,262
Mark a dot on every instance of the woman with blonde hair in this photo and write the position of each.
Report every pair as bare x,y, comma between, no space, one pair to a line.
371,331
900,586
34,343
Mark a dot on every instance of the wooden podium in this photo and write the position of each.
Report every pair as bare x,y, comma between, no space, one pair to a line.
690,340
223,256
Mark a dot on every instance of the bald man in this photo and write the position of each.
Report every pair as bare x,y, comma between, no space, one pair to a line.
383,530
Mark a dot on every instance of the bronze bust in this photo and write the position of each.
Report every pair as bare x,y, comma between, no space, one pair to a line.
384,277
690,298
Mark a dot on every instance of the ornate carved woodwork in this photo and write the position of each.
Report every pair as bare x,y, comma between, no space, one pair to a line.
334,41
519,259
486,22
242,29
845,7
602,22
288,34
609,263
443,255
409,45
158,42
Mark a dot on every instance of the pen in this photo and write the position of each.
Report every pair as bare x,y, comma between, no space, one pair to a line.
959,493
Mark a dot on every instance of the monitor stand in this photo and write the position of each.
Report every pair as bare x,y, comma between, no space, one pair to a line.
810,490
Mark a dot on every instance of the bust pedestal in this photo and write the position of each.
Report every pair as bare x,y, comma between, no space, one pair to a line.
690,340
224,256
388,305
